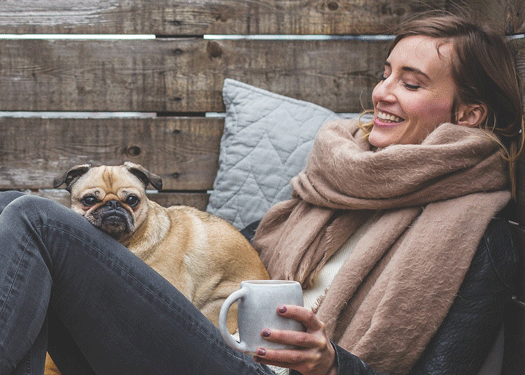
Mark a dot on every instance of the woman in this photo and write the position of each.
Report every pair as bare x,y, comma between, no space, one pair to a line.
410,196
410,214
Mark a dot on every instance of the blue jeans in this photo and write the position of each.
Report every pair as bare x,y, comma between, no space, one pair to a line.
124,318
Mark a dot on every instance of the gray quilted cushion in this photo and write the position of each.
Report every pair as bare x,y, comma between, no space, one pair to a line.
266,140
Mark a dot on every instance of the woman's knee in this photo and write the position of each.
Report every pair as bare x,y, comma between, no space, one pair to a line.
27,205
7,197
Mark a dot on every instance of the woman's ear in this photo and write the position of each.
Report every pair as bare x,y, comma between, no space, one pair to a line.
471,115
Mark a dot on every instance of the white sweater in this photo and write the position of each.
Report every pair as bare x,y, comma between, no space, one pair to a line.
324,278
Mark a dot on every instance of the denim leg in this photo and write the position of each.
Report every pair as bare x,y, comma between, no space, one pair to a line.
33,362
64,350
31,332
7,197
125,318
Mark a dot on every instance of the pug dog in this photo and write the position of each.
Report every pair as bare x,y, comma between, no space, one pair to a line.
202,255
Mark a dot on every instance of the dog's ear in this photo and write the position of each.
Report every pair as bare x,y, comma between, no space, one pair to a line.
144,175
71,176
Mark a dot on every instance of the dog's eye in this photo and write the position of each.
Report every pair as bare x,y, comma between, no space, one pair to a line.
89,200
132,200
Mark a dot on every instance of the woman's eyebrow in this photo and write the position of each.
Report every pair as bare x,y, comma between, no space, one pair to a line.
416,71
411,69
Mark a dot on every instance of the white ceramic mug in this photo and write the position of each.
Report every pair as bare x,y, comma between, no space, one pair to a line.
257,310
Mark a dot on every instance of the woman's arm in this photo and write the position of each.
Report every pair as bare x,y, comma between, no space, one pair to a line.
347,363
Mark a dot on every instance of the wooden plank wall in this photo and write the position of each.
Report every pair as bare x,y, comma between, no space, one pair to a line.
178,77
179,74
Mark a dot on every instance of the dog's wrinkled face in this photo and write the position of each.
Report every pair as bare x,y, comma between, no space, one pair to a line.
111,198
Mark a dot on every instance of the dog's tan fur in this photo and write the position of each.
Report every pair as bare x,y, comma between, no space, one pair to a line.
202,255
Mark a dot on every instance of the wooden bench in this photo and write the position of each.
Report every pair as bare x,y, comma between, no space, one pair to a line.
147,98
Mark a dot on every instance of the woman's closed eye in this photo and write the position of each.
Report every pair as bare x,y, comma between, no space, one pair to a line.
412,87
408,85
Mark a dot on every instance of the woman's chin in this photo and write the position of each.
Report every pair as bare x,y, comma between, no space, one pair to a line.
384,134
379,139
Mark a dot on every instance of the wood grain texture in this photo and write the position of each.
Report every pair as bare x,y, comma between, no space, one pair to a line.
506,17
190,17
183,151
197,200
183,75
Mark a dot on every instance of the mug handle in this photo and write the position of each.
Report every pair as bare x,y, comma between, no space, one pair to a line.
223,315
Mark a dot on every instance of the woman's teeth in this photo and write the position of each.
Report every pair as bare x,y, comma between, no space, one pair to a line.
387,117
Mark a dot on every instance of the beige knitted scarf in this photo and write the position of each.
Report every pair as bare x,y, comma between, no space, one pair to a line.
433,202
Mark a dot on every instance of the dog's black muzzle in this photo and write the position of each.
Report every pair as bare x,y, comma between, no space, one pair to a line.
114,219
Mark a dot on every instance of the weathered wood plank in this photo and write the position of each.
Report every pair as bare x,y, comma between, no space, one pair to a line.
191,17
507,16
183,151
197,200
183,75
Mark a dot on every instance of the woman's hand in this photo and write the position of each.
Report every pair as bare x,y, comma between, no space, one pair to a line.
315,354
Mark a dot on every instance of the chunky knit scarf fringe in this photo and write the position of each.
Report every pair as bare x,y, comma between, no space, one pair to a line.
434,201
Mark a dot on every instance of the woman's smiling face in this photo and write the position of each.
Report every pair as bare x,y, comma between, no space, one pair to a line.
416,92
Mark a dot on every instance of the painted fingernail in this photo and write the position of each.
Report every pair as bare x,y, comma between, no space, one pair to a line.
282,309
261,352
266,332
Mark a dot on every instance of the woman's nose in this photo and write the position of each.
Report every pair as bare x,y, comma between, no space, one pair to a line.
383,91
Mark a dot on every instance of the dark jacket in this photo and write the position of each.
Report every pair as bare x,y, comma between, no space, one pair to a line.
468,332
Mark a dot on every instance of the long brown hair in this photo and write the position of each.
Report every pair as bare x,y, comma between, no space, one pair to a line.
484,71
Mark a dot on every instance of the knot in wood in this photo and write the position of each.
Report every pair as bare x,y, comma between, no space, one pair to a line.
214,50
333,5
133,150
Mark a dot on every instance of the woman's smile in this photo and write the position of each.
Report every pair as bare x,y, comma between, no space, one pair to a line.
387,119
